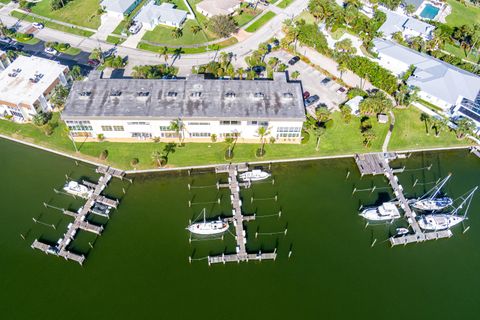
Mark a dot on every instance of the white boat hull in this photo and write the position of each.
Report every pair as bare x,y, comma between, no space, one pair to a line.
208,228
432,204
254,175
77,189
385,212
433,222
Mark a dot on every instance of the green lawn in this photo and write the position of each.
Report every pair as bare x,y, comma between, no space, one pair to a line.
338,33
202,20
460,53
78,12
5,1
462,14
115,40
70,51
51,25
307,16
246,15
410,133
284,3
226,43
260,22
163,35
31,41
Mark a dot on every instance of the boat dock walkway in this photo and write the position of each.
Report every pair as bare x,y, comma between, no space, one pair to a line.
238,219
80,222
475,150
378,163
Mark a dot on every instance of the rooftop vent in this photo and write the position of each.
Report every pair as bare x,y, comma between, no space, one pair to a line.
85,94
287,95
143,93
15,72
36,78
172,94
259,95
115,93
230,95
196,94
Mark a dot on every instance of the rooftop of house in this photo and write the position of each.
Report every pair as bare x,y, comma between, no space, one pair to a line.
119,6
164,12
215,7
27,78
415,3
431,75
398,22
194,98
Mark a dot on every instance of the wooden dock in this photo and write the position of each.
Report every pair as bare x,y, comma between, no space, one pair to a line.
238,219
80,222
475,150
378,163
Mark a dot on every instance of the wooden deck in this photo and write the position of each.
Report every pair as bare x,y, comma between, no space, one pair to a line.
80,222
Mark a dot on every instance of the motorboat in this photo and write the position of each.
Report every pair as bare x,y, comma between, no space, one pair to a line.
254,175
77,189
101,209
402,231
435,204
430,202
440,221
208,227
387,211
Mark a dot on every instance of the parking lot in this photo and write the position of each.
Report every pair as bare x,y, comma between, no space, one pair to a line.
312,81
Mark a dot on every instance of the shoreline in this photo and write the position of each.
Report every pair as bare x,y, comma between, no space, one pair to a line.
210,166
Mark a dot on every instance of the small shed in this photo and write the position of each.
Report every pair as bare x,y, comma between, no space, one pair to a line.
382,118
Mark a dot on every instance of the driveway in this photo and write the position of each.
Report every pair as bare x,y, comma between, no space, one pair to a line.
108,24
133,40
311,81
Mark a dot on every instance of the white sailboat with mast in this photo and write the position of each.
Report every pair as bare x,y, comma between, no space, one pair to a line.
208,227
443,221
430,202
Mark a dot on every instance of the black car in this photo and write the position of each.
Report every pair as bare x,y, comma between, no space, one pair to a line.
325,81
293,60
258,69
311,100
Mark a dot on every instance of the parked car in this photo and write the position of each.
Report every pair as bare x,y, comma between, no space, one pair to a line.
93,62
293,60
306,94
341,90
276,43
135,27
38,25
258,69
311,100
50,51
6,40
325,81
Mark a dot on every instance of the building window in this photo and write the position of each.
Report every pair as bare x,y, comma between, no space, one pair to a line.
79,125
172,94
289,129
200,134
263,123
16,114
118,128
168,135
141,135
252,123
165,128
107,128
196,94
198,123
138,123
229,123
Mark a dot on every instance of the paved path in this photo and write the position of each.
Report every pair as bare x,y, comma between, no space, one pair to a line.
389,133
108,24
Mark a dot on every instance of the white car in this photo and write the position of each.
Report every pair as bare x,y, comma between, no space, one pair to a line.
38,25
50,51
135,27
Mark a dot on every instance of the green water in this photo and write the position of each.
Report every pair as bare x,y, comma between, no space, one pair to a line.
138,269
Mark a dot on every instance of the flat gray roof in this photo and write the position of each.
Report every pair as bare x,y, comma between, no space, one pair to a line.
194,98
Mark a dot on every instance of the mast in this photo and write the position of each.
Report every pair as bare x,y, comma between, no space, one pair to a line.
467,200
204,219
440,186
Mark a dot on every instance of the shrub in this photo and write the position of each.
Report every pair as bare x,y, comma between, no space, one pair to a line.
103,155
305,137
100,137
41,118
260,152
329,124
134,162
48,129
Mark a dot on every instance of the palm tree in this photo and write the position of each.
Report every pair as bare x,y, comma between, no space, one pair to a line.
229,141
439,124
178,126
295,74
176,54
157,158
164,53
262,133
177,33
240,72
318,132
341,67
464,127
425,118
195,29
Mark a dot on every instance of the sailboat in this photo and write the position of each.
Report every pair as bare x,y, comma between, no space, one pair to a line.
208,227
387,211
430,202
443,221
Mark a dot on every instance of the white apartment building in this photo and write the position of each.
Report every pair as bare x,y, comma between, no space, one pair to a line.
26,84
408,26
144,109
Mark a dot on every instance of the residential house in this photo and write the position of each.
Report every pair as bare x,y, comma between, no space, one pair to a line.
210,8
448,87
119,8
25,86
408,26
143,109
152,15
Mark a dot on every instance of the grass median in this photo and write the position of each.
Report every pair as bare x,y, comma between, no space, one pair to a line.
260,22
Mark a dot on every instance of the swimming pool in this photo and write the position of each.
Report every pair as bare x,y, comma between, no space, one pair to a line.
429,12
